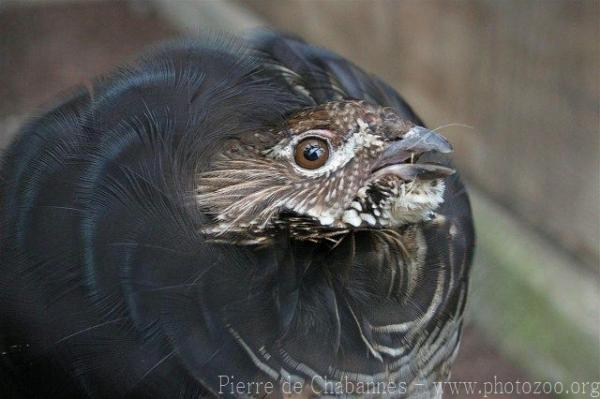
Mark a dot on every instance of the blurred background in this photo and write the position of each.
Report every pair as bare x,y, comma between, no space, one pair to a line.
513,84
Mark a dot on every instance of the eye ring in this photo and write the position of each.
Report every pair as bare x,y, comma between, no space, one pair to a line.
311,152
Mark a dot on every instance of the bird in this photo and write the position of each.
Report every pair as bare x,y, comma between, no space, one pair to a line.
225,216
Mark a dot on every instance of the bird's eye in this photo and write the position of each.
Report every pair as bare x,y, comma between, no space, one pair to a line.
311,153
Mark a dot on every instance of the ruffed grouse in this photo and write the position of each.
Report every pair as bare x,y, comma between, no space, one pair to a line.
231,218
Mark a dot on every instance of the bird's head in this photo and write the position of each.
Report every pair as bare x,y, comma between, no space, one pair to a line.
326,170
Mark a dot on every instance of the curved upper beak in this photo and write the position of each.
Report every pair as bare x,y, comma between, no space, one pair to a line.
416,141
420,140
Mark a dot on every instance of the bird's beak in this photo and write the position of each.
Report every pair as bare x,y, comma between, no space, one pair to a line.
399,158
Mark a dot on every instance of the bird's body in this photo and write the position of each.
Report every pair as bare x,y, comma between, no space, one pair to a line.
231,213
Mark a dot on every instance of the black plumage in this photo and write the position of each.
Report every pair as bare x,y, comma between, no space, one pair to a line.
117,279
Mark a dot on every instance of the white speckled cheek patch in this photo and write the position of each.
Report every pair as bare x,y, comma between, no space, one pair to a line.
408,202
416,202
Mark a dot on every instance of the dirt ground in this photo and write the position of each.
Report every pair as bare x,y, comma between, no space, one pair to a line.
45,49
